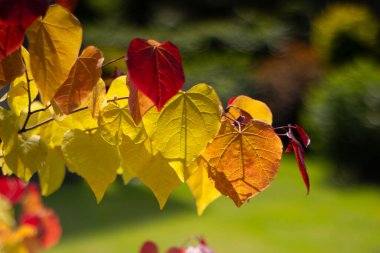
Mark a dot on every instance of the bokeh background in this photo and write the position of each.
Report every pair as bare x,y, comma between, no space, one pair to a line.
316,63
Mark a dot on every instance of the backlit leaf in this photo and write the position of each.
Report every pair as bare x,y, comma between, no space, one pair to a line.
98,99
150,167
81,80
138,103
11,67
202,188
52,172
256,109
11,39
243,164
8,129
54,43
114,122
91,157
183,128
155,69
119,89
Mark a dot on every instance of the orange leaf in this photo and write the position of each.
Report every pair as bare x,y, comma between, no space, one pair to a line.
244,163
82,78
10,68
138,103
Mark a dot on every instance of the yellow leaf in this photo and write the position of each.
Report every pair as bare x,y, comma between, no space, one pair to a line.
184,126
11,67
202,188
8,129
81,80
126,174
119,89
150,167
54,43
26,156
6,213
114,122
18,90
256,109
52,172
91,157
244,163
98,99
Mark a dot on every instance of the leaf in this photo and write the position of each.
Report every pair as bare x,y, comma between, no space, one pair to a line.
183,128
256,109
82,79
115,122
155,69
11,39
119,89
92,158
12,188
52,172
138,103
18,90
22,12
11,67
97,99
303,135
26,156
149,247
244,163
150,167
54,43
8,129
202,188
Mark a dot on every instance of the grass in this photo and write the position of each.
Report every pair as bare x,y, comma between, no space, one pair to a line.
281,219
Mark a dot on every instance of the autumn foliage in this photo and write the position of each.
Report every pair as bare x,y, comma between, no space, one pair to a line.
60,114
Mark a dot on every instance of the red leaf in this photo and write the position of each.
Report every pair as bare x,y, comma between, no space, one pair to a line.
176,250
22,12
155,69
11,38
231,100
149,247
300,154
304,137
12,188
68,4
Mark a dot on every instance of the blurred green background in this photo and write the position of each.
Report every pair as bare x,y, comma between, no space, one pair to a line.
316,63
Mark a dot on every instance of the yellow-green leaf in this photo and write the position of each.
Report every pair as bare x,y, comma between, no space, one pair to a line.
54,43
52,172
11,67
91,157
119,89
26,157
8,129
150,167
98,99
244,163
81,80
202,188
185,125
114,122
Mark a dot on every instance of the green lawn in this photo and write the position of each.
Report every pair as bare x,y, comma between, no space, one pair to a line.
281,219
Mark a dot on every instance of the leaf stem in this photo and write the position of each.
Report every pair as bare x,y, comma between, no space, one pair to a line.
112,61
29,98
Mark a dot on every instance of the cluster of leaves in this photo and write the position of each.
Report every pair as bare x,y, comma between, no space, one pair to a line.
61,114
38,228
202,247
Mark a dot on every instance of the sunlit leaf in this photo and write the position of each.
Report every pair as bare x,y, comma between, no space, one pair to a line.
11,39
54,43
150,167
115,122
81,80
91,157
119,89
138,103
11,67
8,129
183,128
155,69
202,188
52,172
244,163
98,99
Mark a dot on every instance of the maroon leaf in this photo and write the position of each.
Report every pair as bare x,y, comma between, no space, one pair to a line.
300,154
12,188
22,12
149,247
303,135
155,69
11,38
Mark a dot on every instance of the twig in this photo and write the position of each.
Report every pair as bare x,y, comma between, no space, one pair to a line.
112,61
29,98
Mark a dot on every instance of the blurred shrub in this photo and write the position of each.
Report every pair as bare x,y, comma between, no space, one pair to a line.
344,31
343,118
